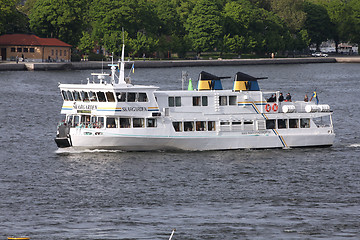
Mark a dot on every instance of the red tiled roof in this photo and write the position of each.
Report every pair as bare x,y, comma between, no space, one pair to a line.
30,40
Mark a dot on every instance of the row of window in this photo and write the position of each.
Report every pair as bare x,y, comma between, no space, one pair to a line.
203,101
56,52
103,96
288,123
110,122
25,50
188,126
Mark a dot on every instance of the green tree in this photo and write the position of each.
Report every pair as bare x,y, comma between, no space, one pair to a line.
59,19
12,20
86,43
291,11
317,23
204,25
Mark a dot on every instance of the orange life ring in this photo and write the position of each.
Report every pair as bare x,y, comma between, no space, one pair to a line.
268,107
275,107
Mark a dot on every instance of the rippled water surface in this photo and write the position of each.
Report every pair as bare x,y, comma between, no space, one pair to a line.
310,193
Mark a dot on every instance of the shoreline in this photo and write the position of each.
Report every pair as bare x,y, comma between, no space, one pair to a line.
34,66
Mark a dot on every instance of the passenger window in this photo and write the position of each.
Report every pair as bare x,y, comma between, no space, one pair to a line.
282,123
270,124
293,123
151,122
177,101
223,100
101,96
232,100
121,96
211,125
142,97
138,122
305,123
125,122
204,100
177,126
110,123
188,126
196,101
110,97
200,126
171,101
131,97
100,123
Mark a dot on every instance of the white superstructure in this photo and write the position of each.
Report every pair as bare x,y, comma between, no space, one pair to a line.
113,114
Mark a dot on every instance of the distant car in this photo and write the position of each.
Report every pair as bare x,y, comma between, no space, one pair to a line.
319,54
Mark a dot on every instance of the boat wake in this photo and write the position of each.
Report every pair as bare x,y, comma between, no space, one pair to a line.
355,145
61,151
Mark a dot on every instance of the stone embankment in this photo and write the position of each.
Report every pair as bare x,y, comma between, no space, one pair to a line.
31,66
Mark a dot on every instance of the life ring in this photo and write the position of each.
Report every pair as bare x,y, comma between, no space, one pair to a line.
275,107
268,107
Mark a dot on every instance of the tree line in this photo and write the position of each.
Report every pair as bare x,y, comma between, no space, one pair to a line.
164,27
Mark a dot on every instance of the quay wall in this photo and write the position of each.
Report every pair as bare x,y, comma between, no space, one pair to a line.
22,66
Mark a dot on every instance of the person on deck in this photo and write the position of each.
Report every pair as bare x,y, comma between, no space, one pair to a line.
288,97
281,97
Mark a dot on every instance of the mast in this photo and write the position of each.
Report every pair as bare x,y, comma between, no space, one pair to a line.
122,67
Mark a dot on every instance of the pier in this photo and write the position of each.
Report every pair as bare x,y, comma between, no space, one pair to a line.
34,66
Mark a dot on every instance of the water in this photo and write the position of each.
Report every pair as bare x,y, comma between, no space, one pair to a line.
310,193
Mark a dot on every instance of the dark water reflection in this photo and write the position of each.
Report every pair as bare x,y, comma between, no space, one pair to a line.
310,193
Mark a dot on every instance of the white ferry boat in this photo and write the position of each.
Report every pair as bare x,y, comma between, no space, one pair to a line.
115,114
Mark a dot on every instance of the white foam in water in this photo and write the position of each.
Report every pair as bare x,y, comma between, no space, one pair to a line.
355,145
76,151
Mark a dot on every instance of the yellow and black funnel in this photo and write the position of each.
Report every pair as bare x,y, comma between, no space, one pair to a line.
207,81
245,82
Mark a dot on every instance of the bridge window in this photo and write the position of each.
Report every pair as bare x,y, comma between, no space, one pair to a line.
77,96
101,96
92,97
110,97
131,97
84,96
64,95
121,96
232,100
70,96
142,97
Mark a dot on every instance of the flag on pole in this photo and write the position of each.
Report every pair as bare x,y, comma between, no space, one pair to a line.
133,68
316,97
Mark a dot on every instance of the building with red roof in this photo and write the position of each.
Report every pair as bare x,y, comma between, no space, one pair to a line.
29,47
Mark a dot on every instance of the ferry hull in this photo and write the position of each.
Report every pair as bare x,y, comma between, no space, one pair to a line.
199,144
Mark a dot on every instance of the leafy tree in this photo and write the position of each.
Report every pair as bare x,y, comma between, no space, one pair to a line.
204,25
86,43
317,23
11,20
143,44
352,22
59,19
291,11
